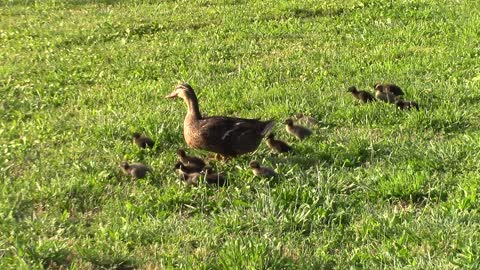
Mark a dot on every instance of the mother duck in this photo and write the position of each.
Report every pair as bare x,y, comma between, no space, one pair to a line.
227,136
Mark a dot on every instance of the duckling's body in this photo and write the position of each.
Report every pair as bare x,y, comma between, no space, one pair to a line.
298,131
262,171
389,88
190,161
277,145
136,170
383,96
183,168
142,141
306,119
406,105
192,177
227,136
363,96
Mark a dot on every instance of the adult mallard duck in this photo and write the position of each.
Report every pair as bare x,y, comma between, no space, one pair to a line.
227,136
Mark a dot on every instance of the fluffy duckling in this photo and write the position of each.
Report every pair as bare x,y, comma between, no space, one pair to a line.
296,130
142,141
389,88
182,168
262,171
277,145
384,96
306,119
186,173
406,105
363,96
136,170
191,176
190,161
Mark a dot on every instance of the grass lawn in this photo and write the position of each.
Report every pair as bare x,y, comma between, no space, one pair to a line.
373,188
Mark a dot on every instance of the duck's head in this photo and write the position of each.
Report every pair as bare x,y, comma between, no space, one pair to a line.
124,165
136,135
352,89
183,90
254,165
378,87
181,153
288,122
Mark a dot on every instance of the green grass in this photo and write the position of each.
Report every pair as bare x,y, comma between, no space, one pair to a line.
373,188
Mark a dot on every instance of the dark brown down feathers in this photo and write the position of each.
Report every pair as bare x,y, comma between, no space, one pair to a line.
142,141
363,96
389,88
277,145
406,105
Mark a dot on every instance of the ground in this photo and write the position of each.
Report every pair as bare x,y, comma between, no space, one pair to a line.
373,188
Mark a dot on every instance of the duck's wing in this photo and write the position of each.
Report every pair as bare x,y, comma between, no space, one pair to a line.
225,127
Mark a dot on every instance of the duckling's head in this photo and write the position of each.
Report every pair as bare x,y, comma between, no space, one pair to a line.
288,122
378,87
183,90
124,165
181,153
254,165
136,135
299,115
271,136
352,89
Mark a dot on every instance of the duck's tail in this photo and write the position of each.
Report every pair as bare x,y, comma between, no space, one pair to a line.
269,125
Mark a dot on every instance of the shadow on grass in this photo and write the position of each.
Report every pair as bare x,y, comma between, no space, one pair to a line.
111,32
355,154
318,12
115,264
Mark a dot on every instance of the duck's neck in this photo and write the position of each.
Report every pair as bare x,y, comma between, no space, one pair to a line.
193,112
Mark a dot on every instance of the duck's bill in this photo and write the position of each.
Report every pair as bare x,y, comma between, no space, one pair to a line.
172,95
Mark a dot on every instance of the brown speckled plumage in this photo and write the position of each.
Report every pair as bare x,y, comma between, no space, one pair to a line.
227,136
